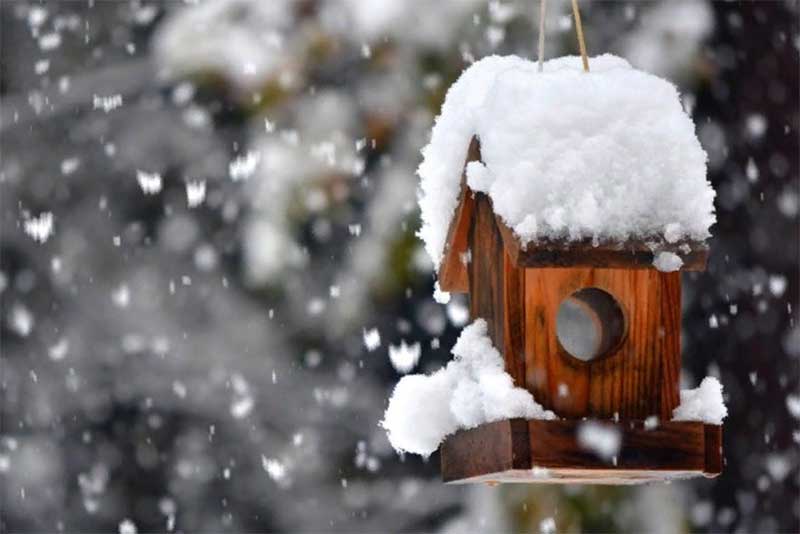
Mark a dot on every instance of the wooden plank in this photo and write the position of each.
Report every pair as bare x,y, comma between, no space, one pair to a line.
713,436
486,272
562,475
514,320
496,452
670,446
453,275
494,446
629,254
639,379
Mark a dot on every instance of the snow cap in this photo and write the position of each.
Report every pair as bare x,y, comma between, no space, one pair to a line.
608,154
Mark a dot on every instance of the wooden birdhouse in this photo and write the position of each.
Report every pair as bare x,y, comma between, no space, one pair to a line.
593,332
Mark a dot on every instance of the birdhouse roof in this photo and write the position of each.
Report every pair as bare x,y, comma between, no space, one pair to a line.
570,161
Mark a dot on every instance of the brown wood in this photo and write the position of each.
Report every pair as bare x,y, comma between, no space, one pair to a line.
518,291
713,450
549,451
467,453
514,320
629,254
638,379
497,289
453,275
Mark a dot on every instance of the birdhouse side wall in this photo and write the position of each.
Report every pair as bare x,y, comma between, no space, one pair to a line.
638,379
497,289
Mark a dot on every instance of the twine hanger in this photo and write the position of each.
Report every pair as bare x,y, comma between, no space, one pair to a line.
578,29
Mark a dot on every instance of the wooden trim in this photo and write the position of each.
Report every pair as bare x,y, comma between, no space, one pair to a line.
714,459
629,254
514,320
519,450
453,275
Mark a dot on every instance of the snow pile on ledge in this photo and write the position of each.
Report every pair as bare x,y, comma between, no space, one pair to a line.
667,262
704,404
607,155
471,390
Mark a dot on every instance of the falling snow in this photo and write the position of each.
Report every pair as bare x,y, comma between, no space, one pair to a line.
40,228
601,439
242,167
150,183
404,357
372,339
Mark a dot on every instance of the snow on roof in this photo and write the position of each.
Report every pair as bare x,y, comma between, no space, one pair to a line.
471,390
608,155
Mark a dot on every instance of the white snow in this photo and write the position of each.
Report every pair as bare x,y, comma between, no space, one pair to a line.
150,183
126,526
242,402
651,422
240,40
404,357
432,24
756,125
49,41
39,228
274,468
121,296
442,297
793,404
195,193
602,440
667,262
704,403
59,350
21,320
107,103
69,165
471,390
547,526
244,166
458,313
607,155
681,26
777,285
372,339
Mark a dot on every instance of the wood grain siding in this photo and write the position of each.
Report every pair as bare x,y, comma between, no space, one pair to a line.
639,379
496,289
514,320
453,274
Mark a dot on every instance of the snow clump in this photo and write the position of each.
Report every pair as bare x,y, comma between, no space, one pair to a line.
607,155
667,262
704,404
471,390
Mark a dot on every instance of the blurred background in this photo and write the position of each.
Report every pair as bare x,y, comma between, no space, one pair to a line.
207,251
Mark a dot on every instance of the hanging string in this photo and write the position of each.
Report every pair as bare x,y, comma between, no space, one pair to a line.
579,28
542,9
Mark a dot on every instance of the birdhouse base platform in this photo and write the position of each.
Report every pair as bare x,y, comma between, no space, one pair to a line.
534,451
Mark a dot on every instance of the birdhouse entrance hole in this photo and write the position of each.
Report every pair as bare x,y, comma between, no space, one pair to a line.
590,324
